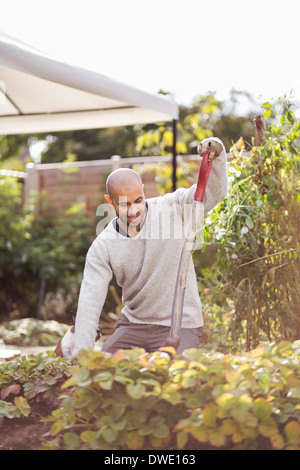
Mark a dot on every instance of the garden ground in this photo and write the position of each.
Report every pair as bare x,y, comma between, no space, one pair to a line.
26,433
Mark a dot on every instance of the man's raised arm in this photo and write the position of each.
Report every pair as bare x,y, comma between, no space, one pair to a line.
96,278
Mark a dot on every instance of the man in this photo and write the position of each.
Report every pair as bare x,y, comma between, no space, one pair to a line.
142,248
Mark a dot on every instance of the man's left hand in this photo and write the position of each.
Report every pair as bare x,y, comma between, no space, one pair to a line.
215,148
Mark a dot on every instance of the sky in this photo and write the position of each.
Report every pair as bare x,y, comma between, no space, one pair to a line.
186,47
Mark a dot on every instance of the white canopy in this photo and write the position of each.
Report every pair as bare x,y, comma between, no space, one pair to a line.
41,94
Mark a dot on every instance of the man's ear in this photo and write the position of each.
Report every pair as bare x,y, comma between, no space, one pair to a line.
108,199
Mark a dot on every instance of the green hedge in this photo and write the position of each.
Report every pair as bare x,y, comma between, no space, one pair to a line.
42,250
133,400
31,378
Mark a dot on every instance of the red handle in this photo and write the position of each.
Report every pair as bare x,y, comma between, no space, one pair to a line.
204,172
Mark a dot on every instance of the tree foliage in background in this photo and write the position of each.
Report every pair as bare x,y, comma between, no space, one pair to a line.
39,252
205,115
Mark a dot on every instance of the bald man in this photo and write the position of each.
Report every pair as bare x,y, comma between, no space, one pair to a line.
141,246
125,192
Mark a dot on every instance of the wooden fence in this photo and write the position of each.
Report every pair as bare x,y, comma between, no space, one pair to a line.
83,182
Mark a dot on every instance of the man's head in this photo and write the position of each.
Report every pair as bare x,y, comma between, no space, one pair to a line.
125,192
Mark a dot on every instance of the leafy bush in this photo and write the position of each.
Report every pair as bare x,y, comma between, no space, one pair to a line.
35,377
40,252
33,332
256,232
14,234
134,400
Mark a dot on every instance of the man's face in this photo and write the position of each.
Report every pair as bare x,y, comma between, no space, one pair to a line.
130,205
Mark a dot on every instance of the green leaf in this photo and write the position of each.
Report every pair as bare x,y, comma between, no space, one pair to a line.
157,421
109,435
290,117
82,377
240,411
137,416
226,400
193,401
292,432
170,393
119,425
229,427
145,429
267,113
135,391
268,427
181,439
217,438
194,354
117,411
209,415
22,405
69,383
249,432
71,440
262,409
277,441
161,431
189,378
168,137
87,436
134,440
8,410
57,428
200,433
249,222
238,436
105,380
267,104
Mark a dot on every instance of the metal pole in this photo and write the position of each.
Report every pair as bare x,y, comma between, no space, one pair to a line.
174,161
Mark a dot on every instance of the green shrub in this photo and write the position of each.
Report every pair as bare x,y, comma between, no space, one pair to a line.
40,252
32,332
256,232
33,377
15,227
133,400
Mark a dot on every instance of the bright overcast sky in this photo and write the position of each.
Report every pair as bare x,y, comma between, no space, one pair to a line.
187,47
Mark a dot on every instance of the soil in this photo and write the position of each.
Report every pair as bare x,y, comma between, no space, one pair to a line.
26,433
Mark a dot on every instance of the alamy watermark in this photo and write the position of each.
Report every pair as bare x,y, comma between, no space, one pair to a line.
169,223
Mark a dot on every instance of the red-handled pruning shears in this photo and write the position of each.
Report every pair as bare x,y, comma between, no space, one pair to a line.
185,257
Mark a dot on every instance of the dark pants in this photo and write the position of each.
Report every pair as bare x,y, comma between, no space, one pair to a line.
149,337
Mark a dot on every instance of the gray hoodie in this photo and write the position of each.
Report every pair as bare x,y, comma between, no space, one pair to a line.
146,265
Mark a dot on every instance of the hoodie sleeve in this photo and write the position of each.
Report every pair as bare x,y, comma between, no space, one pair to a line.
96,278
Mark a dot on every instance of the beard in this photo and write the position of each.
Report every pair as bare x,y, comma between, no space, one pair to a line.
133,222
